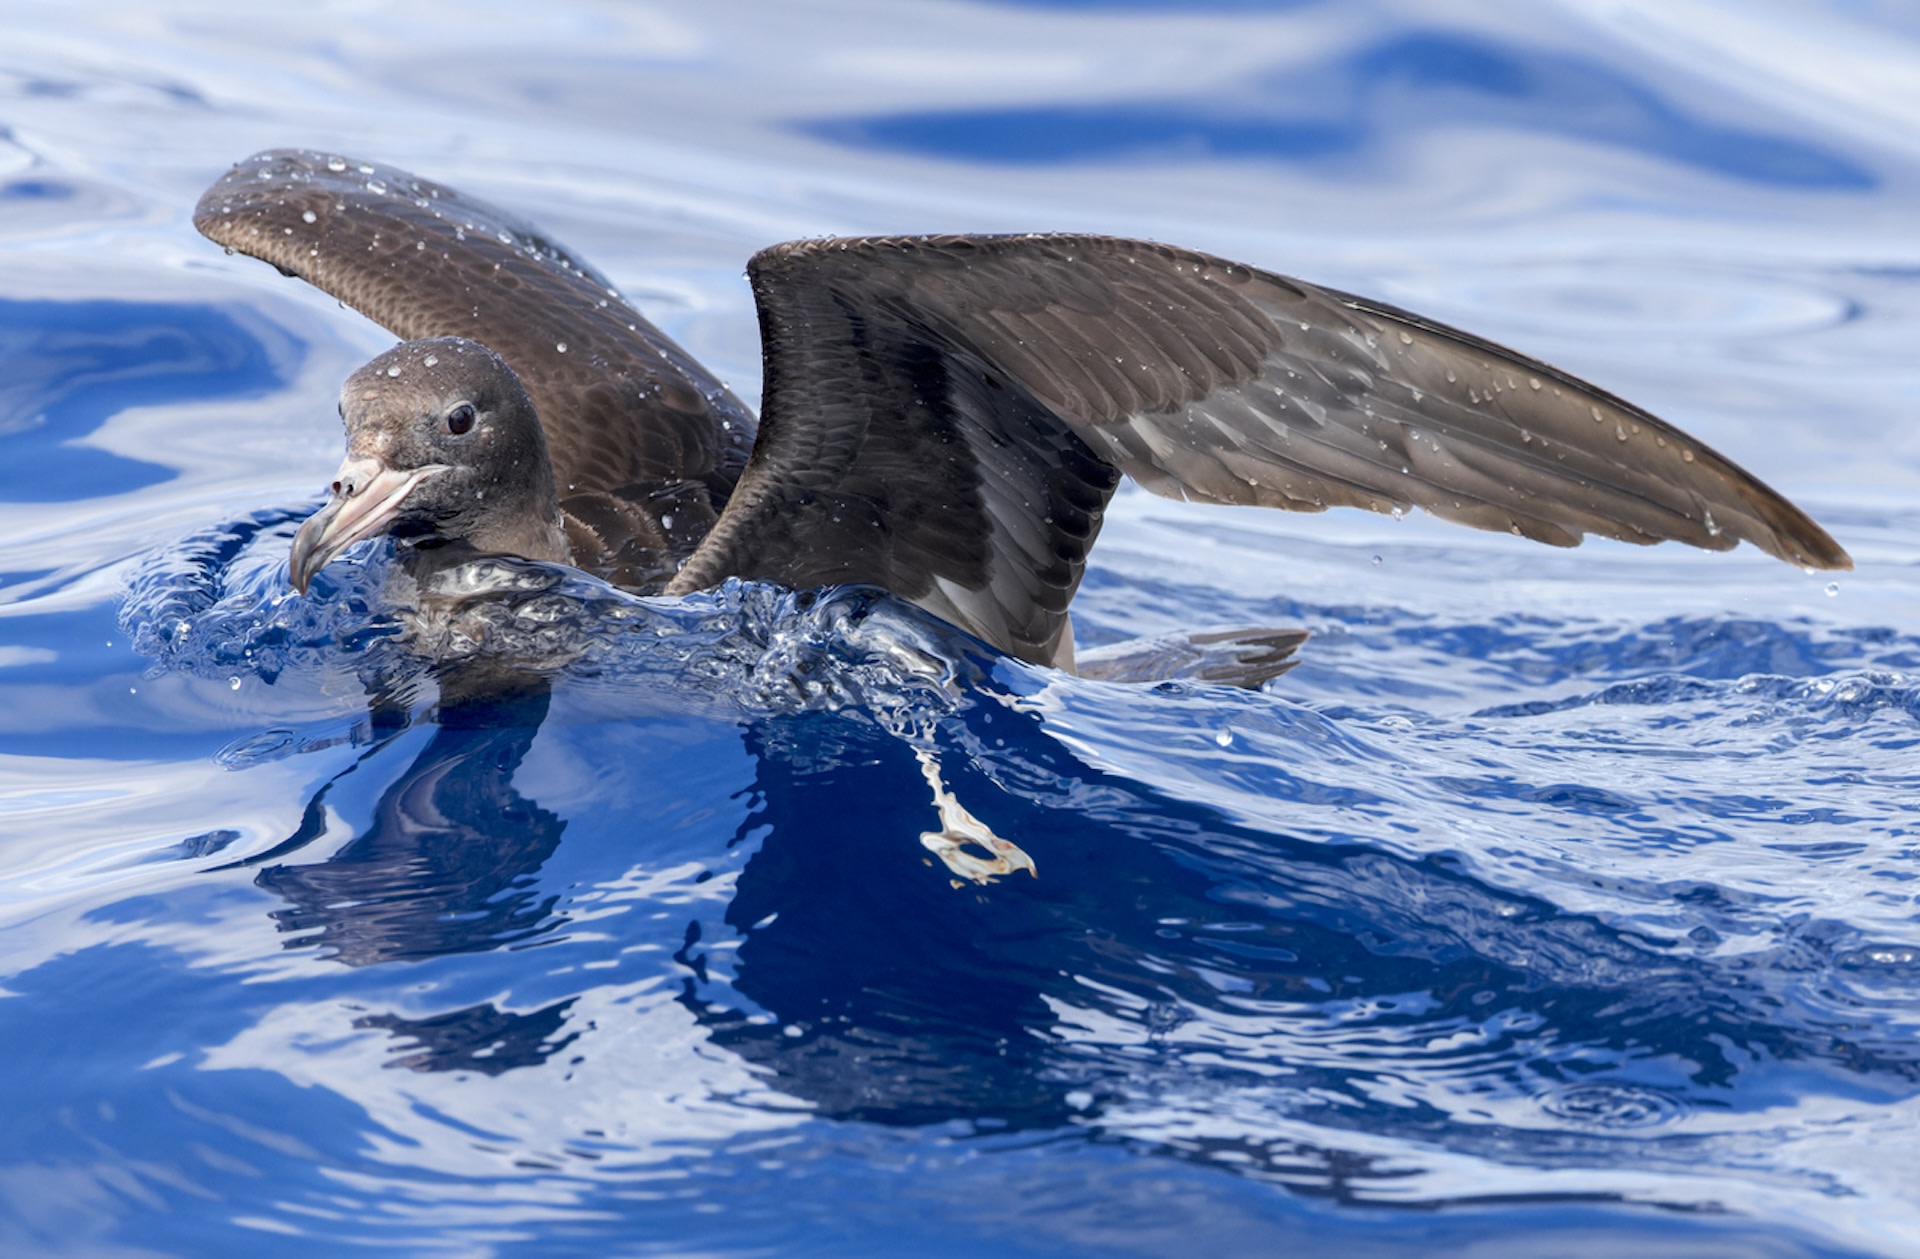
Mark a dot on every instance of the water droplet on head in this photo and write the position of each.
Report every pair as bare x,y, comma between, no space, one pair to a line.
336,163
431,359
560,346
394,370
308,216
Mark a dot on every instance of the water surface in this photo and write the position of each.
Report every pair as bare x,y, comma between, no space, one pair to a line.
1559,902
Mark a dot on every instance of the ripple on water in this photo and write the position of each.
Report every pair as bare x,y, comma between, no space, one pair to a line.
1613,1106
1661,299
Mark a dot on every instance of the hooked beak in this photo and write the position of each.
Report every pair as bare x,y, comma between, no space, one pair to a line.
366,496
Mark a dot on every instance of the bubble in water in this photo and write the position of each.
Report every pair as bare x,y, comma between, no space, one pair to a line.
1224,738
1378,561
233,683
1833,589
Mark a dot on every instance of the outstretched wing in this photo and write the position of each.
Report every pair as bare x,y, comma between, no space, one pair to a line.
944,416
628,414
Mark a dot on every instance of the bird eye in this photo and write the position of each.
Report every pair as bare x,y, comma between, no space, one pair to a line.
460,419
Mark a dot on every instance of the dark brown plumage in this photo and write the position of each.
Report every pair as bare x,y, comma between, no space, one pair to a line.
638,431
946,417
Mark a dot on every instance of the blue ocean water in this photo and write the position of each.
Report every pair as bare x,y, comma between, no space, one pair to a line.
1559,902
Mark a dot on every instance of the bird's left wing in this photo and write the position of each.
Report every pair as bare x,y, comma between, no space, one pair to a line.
946,417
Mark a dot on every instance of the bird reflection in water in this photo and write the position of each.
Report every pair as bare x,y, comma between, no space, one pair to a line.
448,864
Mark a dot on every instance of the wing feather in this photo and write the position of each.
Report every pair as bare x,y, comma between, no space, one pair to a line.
975,396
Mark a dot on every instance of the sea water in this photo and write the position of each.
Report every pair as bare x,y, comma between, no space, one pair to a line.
1558,902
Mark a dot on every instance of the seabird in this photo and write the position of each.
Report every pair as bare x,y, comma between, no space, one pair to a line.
944,417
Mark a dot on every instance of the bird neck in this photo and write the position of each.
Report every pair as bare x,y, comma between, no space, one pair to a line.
529,527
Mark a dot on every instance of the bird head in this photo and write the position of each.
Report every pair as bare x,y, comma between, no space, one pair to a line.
443,445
